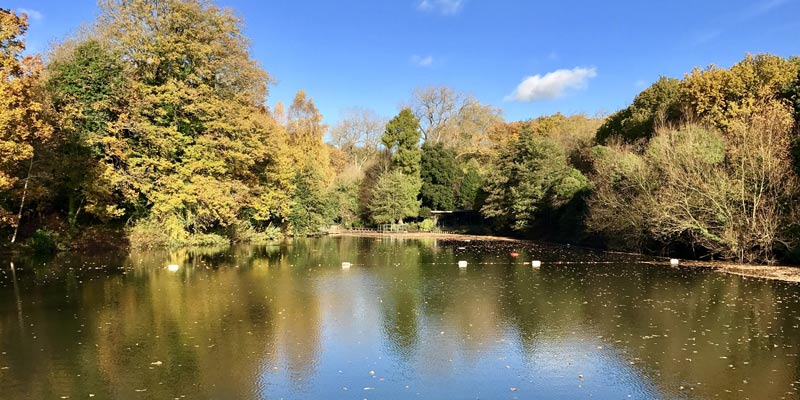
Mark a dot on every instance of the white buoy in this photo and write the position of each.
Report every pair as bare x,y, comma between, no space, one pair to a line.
674,261
173,267
536,263
346,265
462,264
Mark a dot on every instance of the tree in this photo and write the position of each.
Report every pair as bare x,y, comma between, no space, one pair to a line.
306,131
23,124
401,138
311,206
732,194
87,87
394,198
194,142
436,107
469,188
724,96
456,120
655,106
358,135
530,176
438,172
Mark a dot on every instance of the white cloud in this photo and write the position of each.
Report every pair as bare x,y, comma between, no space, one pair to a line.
421,61
445,7
32,14
552,85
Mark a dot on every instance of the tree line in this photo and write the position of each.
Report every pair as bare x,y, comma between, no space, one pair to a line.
151,122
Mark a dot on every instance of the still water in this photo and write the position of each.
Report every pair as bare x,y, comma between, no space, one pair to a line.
404,322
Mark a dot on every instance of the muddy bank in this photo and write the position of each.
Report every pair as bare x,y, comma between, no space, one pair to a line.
772,272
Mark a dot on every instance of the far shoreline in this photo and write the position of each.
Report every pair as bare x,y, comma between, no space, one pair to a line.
782,273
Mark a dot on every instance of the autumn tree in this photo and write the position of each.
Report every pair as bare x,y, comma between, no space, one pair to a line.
22,122
655,106
732,194
311,202
454,119
195,143
722,97
87,88
358,135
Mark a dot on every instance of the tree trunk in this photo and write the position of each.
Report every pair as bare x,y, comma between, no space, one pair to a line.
22,203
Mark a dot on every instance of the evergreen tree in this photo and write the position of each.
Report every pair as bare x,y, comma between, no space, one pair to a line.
438,172
402,138
394,198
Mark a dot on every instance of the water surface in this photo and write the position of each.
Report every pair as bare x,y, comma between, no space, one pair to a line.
287,322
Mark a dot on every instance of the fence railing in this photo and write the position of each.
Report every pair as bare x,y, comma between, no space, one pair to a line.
387,229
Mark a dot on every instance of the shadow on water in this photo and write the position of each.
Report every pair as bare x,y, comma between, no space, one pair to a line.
287,321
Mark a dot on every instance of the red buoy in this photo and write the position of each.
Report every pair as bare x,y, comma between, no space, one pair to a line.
514,254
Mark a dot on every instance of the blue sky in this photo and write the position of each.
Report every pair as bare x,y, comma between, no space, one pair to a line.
529,58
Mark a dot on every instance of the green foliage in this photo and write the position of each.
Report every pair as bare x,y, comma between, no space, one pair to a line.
346,203
87,92
731,195
469,189
531,175
425,212
427,225
791,93
654,106
45,241
244,232
395,197
438,172
402,137
313,208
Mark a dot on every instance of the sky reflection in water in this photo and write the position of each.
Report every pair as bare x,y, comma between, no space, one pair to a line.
403,322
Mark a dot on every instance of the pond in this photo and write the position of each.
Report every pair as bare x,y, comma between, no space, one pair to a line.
404,321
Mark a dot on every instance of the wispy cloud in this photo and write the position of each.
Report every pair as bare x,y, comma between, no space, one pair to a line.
735,18
445,7
706,36
761,8
551,85
32,14
422,61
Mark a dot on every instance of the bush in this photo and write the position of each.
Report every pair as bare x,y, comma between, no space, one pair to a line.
427,225
732,193
45,241
245,232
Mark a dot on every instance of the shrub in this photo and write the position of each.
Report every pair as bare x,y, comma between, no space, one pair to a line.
427,225
45,241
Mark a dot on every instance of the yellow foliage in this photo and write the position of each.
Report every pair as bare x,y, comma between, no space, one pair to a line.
22,124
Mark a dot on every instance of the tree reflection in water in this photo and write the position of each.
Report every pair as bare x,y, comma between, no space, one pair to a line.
287,321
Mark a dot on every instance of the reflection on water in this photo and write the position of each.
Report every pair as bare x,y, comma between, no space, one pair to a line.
404,322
